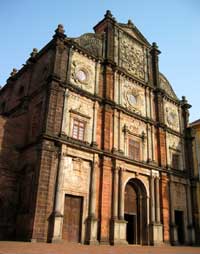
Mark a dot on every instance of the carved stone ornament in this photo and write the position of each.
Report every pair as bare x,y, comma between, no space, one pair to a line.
132,57
81,74
172,117
132,98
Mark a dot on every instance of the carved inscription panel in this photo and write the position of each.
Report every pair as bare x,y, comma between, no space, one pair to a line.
132,57
76,175
179,196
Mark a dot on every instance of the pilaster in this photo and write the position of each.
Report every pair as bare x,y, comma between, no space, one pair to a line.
92,221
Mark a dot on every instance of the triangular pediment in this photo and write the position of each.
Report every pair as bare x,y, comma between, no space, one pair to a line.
133,31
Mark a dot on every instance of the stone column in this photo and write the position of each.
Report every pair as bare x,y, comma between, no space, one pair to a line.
91,233
115,192
173,228
156,229
121,195
153,147
157,200
93,191
149,143
95,109
120,140
64,117
97,70
118,226
152,200
141,221
58,213
115,131
191,235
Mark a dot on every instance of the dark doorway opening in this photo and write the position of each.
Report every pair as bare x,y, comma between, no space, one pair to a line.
135,212
131,228
72,218
179,221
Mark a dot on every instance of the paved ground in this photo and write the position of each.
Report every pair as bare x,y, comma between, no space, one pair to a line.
66,248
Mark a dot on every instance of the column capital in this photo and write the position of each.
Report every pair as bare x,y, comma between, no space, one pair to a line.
116,169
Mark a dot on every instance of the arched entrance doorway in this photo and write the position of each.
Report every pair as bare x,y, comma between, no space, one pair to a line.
135,212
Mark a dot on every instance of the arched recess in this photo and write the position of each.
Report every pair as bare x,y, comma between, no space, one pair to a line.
135,212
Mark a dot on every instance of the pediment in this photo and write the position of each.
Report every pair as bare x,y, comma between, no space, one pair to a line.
134,32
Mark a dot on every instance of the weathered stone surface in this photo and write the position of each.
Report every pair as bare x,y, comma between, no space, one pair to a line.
71,121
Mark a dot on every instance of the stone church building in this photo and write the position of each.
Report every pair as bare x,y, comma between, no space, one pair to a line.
94,144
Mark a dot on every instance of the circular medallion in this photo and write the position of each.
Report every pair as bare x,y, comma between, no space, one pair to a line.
132,99
171,118
81,76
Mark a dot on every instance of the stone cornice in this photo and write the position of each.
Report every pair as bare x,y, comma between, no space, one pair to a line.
87,148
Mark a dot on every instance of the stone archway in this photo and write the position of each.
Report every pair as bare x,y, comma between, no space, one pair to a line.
135,212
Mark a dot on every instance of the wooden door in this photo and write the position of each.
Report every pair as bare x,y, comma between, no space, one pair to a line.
72,219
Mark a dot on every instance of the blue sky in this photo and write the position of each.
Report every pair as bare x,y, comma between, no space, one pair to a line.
173,24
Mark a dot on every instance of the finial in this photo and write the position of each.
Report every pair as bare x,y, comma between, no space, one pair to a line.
14,71
108,14
60,32
154,45
130,23
34,52
183,98
60,29
155,49
184,103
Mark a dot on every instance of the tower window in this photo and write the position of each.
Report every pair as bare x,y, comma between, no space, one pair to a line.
175,161
78,130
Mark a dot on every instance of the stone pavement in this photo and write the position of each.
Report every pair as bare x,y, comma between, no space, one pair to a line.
67,248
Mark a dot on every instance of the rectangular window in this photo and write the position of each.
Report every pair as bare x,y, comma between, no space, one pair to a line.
134,149
78,129
175,161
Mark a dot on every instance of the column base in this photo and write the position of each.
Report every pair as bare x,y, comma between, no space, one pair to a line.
56,240
57,229
156,234
104,241
118,232
174,236
91,231
191,234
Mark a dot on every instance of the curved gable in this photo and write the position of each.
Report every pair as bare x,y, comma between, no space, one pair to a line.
165,85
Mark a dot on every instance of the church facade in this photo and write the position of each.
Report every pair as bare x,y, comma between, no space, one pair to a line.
94,145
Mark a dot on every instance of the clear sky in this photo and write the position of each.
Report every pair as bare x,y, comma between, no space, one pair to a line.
173,24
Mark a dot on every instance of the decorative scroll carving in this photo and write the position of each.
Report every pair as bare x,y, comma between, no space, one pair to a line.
81,105
91,42
132,57
134,127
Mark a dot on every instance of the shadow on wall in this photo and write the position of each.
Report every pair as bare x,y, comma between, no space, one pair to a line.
11,137
8,179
